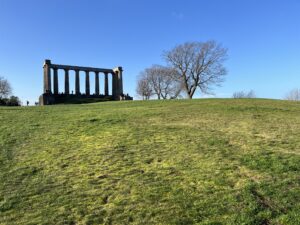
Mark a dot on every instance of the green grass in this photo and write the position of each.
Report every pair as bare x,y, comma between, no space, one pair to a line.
210,161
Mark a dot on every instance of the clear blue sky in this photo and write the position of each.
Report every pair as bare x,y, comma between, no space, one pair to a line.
263,38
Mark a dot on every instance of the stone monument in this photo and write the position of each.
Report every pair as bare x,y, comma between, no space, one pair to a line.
52,95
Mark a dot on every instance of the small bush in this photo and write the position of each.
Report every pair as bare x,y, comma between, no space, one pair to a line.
12,101
293,95
242,94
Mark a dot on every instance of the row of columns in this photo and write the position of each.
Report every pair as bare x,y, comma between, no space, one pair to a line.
77,82
117,84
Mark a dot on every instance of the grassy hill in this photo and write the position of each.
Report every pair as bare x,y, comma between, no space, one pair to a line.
208,161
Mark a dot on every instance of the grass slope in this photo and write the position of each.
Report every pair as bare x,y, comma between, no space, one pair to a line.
156,162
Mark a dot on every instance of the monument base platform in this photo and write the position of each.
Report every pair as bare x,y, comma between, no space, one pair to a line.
52,99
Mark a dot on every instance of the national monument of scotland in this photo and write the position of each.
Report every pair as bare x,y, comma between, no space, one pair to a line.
52,95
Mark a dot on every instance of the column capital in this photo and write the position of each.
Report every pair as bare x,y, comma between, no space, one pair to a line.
47,62
119,68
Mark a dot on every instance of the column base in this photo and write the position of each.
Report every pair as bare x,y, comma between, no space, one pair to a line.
46,99
123,97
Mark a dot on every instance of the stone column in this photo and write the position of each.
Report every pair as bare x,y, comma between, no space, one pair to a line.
77,82
106,84
118,83
67,86
97,92
120,80
55,77
115,91
87,83
47,76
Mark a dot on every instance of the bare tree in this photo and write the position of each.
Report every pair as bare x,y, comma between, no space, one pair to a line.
242,94
164,81
143,88
200,65
293,95
238,94
5,88
251,94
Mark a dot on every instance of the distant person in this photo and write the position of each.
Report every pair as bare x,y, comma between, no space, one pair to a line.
27,103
